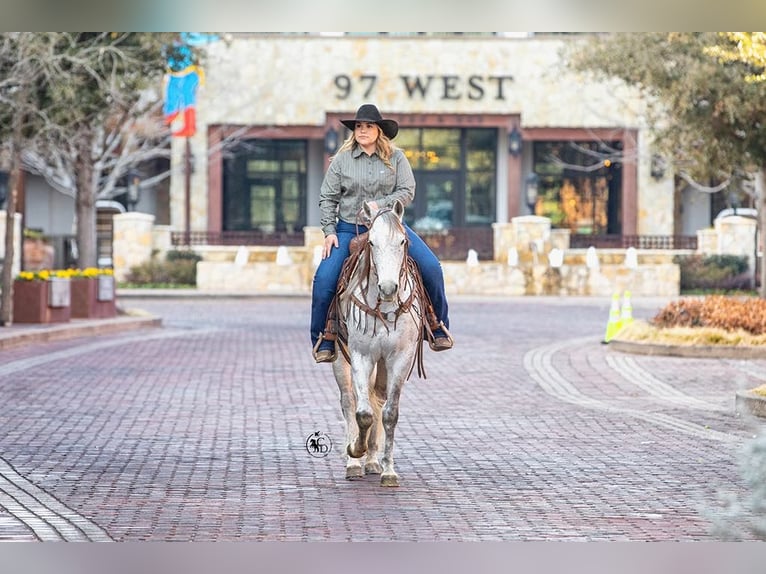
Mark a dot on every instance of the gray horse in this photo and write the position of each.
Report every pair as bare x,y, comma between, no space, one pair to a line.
381,316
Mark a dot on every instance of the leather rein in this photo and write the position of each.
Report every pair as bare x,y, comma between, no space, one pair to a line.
409,276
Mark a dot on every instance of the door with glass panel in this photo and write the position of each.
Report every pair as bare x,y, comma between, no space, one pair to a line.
436,201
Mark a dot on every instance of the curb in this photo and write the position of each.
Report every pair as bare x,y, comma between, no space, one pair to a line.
24,335
698,352
745,401
197,294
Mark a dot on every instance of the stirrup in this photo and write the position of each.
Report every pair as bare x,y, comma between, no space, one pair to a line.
431,337
315,351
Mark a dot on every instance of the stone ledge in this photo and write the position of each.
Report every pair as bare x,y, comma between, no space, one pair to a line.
691,351
751,403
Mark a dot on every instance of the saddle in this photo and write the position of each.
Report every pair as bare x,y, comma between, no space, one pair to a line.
335,328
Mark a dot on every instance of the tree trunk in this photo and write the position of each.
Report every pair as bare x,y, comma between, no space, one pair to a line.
85,202
6,302
760,189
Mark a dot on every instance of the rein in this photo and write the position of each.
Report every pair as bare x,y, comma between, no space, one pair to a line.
361,261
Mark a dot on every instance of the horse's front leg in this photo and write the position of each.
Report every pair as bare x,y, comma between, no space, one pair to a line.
378,397
342,372
396,377
361,369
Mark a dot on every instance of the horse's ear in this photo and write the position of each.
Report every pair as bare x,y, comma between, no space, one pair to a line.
367,212
398,209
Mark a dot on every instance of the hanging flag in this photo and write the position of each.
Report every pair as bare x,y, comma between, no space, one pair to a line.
183,78
181,99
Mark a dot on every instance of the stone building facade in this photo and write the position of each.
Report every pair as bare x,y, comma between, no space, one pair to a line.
268,112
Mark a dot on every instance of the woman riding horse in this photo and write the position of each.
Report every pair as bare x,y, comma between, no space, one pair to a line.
367,168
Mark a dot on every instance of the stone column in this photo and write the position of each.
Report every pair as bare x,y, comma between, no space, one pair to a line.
503,239
131,241
736,236
533,237
707,241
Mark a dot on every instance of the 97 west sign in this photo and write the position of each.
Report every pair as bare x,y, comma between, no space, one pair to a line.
447,87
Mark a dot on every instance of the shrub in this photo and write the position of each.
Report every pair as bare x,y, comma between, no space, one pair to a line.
719,311
711,272
183,256
178,268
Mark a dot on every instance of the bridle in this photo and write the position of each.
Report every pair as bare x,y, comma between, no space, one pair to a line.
361,260
407,270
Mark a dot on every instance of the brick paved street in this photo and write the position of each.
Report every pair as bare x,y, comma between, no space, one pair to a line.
530,429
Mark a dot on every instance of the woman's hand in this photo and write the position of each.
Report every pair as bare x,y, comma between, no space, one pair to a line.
329,242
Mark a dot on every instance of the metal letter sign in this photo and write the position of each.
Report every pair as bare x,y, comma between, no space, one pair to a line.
58,292
105,287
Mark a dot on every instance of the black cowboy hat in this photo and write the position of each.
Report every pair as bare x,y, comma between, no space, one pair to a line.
370,113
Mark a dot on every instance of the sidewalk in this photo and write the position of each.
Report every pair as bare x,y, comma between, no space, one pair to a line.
30,333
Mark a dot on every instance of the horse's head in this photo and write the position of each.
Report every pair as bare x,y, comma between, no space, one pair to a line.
388,246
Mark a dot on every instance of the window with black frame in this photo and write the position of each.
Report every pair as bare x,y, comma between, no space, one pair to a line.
579,185
455,172
264,186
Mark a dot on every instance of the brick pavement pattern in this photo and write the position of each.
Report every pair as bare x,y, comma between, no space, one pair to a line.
530,429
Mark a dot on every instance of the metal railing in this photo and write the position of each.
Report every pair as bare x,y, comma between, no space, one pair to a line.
448,245
453,244
615,241
184,239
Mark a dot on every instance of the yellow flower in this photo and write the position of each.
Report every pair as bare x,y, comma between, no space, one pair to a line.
46,274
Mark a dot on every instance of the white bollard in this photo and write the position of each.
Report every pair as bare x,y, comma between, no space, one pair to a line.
556,257
513,257
317,255
240,260
591,259
283,256
631,258
473,257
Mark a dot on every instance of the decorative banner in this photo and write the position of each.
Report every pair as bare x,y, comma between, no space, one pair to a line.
181,83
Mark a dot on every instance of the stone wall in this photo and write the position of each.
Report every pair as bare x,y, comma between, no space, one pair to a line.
530,258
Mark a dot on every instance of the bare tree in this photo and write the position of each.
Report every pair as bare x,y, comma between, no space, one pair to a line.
20,71
707,115
98,115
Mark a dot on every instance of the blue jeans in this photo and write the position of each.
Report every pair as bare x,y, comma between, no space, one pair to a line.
328,272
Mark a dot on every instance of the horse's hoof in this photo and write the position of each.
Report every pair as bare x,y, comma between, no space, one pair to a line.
373,468
389,480
354,472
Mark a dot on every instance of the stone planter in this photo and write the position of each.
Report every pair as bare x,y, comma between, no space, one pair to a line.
41,301
93,297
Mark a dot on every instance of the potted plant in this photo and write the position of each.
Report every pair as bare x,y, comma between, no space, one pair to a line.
93,293
42,296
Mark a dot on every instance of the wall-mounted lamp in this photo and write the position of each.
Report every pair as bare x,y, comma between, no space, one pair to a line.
134,190
514,142
330,141
531,186
658,166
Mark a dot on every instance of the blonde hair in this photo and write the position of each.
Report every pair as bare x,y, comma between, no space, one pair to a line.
383,147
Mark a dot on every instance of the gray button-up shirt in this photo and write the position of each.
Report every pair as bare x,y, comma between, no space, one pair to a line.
355,177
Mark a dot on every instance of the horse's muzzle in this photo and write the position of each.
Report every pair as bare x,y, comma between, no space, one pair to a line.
387,290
